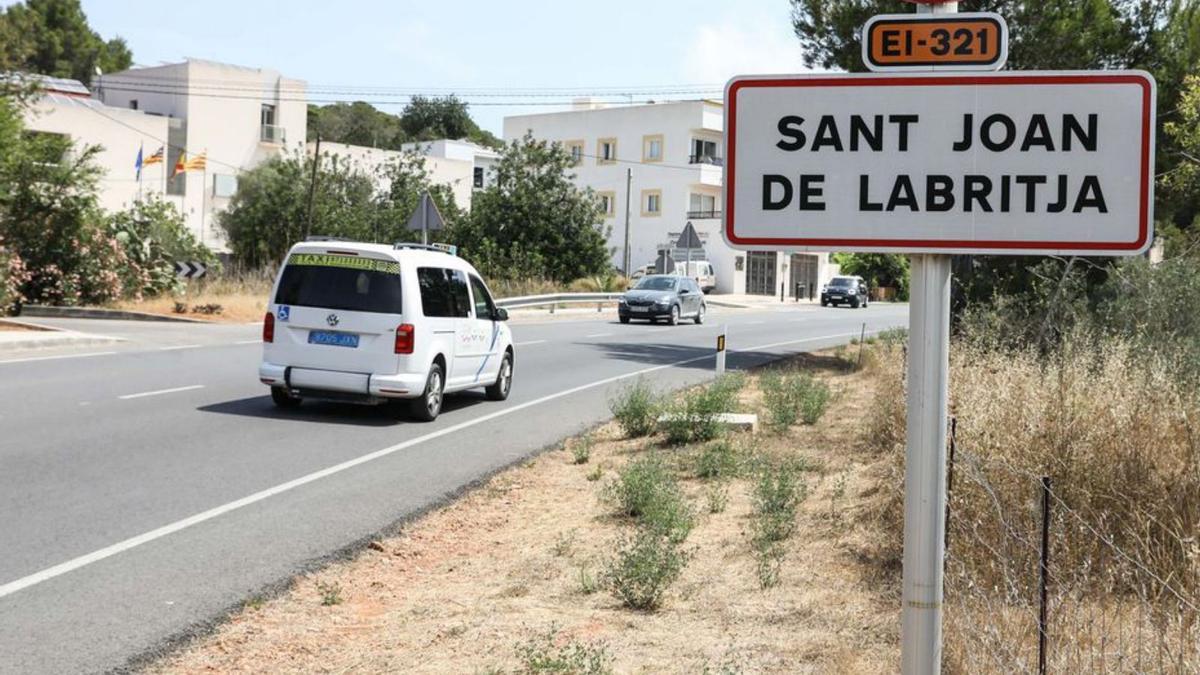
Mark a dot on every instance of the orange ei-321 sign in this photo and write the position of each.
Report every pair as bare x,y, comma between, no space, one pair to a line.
968,41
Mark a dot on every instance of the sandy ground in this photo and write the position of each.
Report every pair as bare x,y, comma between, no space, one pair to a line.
234,307
7,326
457,590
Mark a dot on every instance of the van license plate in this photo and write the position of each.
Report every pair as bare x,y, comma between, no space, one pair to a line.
333,339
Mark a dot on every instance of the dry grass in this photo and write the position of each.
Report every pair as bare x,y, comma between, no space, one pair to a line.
461,587
1116,432
240,296
9,326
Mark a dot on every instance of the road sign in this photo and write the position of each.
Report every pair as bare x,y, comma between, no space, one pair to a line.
426,218
971,41
1021,163
688,238
190,269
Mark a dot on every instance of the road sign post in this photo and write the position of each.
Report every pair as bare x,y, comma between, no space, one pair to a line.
931,164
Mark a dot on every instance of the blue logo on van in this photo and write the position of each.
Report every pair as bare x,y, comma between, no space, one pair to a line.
284,312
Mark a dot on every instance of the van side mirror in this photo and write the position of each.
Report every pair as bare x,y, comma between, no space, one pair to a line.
501,314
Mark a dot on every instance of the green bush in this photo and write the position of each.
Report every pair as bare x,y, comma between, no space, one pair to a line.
581,449
792,397
542,653
778,492
716,460
693,417
646,564
636,409
647,490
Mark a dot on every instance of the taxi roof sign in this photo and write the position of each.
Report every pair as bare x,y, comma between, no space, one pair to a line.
926,42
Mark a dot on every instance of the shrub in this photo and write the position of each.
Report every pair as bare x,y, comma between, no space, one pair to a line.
646,564
778,491
717,495
716,460
693,418
581,449
542,653
792,397
646,490
331,593
636,409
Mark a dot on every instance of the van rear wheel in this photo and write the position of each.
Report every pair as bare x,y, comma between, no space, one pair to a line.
499,390
283,399
427,407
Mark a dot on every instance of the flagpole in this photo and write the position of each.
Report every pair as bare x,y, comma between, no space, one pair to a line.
204,198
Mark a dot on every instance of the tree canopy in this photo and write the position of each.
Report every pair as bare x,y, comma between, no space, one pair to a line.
269,213
423,119
534,221
1159,36
52,37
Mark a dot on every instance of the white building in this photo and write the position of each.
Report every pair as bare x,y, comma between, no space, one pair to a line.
671,155
483,160
237,116
458,174
67,108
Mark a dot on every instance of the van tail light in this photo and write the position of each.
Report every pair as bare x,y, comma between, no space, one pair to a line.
269,327
405,337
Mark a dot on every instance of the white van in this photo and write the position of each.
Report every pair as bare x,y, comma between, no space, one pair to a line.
371,323
701,271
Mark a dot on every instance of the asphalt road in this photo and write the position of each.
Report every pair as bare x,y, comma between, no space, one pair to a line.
148,487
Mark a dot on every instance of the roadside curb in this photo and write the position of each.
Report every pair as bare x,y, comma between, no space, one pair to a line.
101,313
53,340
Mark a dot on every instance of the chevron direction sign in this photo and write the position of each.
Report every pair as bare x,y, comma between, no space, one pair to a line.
190,270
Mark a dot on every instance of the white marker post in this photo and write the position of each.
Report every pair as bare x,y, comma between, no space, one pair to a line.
925,454
721,350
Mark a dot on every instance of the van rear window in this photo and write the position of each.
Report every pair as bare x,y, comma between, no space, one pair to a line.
341,282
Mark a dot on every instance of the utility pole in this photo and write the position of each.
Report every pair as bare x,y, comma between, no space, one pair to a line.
628,196
312,187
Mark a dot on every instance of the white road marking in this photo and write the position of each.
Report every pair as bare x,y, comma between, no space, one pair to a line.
753,323
530,342
171,528
60,356
144,394
176,347
249,342
596,335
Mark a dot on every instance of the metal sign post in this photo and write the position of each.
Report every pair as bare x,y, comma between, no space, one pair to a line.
925,454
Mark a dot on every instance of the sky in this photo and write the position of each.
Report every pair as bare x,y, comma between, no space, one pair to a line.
510,46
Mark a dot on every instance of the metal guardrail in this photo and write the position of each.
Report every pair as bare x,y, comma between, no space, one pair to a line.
556,299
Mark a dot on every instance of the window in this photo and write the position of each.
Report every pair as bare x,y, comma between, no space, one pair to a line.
478,176
652,148
267,117
347,288
576,150
484,307
133,104
443,292
608,202
224,185
704,152
651,203
702,206
606,151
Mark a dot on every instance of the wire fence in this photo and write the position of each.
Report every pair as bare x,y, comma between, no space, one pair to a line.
1043,575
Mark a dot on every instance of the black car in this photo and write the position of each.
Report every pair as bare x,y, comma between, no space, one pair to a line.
663,296
849,290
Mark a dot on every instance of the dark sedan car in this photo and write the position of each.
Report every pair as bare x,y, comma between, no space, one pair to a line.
849,290
662,296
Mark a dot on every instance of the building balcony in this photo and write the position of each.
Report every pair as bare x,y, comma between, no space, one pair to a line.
706,159
273,134
708,214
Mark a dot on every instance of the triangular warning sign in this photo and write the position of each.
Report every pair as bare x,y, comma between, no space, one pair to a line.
688,238
426,217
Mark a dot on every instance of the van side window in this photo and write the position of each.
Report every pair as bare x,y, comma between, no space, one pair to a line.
484,307
443,292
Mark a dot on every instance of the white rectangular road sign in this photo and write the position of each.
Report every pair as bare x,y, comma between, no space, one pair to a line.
1020,163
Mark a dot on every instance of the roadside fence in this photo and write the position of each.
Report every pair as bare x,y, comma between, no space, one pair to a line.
1042,575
